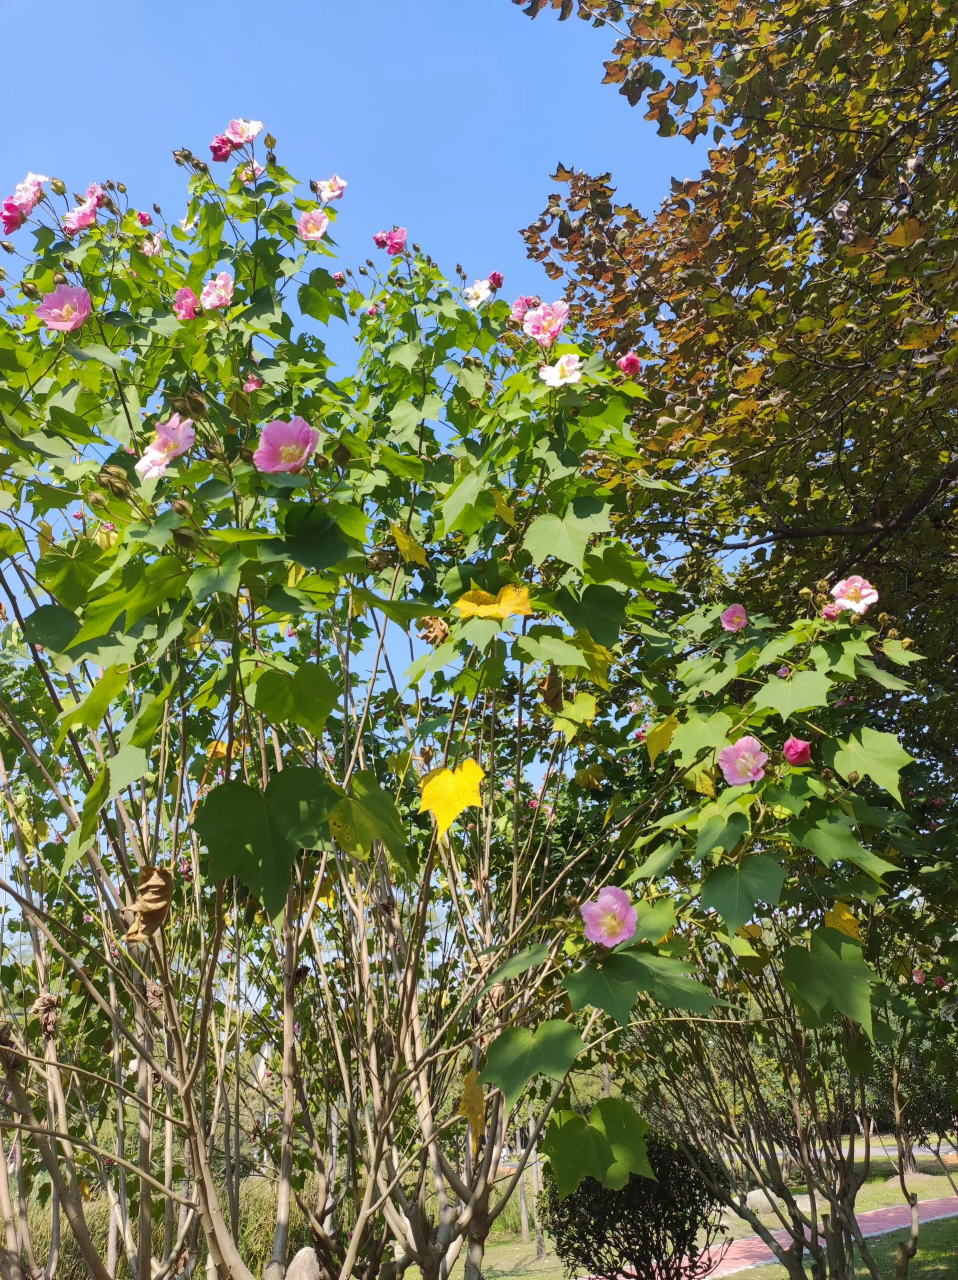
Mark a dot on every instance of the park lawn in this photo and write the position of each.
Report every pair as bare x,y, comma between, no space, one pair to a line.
936,1259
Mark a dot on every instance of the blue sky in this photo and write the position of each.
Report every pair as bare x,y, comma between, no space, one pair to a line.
446,116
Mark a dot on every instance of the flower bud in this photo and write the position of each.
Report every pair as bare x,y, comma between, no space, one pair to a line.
883,618
314,186
157,209
341,455
69,264
185,537
200,166
182,507
893,634
97,499
323,461
853,778
245,452
195,404
3,274
58,186
806,593
270,141
28,289
828,774
7,246
121,187
416,249
59,277
821,599
270,157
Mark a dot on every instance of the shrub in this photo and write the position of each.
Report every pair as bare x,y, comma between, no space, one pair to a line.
652,1230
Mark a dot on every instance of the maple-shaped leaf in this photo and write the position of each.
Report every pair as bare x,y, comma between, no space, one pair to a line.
409,548
839,917
473,1106
480,604
446,792
658,739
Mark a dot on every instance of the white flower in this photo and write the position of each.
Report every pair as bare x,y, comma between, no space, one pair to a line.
565,370
477,295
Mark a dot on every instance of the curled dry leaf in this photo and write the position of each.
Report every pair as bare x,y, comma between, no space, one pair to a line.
11,1055
551,689
154,895
46,1006
434,631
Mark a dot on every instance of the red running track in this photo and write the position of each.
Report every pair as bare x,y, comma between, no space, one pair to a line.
753,1252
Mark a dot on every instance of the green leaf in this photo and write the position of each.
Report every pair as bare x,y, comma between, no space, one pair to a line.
832,970
895,650
314,694
519,1054
51,626
879,756
672,987
658,861
69,572
95,705
804,690
609,1146
654,920
313,539
298,802
734,892
518,964
223,577
600,611
566,538
545,648
272,696
834,841
82,837
884,678
699,733
613,985
721,831
366,814
95,351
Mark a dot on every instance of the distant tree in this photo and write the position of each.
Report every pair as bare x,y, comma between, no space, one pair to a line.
659,1229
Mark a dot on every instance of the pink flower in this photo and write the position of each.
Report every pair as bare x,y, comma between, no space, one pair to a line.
65,309
611,919
629,363
372,311
533,803
735,618
18,207
221,147
396,241
172,439
379,239
478,294
3,292
545,322
797,751
742,762
152,245
217,292
831,612
331,188
250,173
96,193
496,279
312,225
143,218
565,370
522,305
339,277
854,594
240,131
83,216
252,383
185,303
918,975
285,446
783,673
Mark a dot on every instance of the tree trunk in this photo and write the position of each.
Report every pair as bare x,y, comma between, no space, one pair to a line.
906,1251
523,1209
536,1188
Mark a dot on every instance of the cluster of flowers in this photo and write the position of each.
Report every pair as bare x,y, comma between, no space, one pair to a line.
283,446
17,208
852,595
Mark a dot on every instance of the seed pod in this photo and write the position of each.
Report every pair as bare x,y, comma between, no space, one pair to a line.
893,634
822,584
59,277
245,452
120,186
96,499
182,507
270,157
7,246
341,455
323,461
196,404
853,778
907,642
883,618
828,774
69,264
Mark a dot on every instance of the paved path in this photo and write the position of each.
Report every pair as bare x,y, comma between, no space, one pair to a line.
753,1252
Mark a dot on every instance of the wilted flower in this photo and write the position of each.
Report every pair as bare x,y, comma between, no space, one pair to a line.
565,370
743,762
496,279
477,295
221,147
735,618
83,216
252,383
396,241
185,303
251,172
285,446
831,612
522,305
918,975
629,363
65,309
172,439
217,292
854,594
152,245
379,239
611,918
797,751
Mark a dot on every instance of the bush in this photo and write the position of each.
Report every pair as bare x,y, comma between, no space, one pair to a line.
652,1230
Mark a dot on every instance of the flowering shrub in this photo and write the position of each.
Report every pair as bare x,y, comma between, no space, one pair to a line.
255,819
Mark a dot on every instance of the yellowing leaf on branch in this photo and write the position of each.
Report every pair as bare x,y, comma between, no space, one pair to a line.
657,740
918,337
447,792
906,233
591,777
840,918
473,1107
505,513
409,548
480,604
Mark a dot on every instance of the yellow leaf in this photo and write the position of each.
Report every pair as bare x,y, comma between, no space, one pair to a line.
216,751
919,337
596,655
840,918
44,536
480,604
506,514
409,548
106,538
657,740
703,782
591,777
446,792
906,233
473,1107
